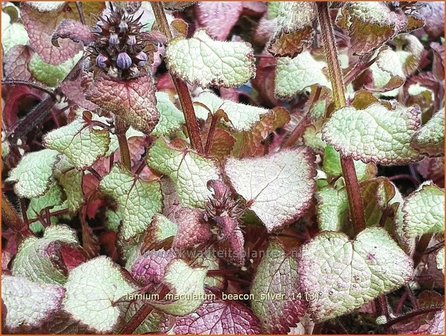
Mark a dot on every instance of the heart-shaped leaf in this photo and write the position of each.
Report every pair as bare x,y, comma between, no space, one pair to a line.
188,171
29,304
276,291
261,182
80,142
375,134
205,62
34,173
294,75
92,291
137,200
346,274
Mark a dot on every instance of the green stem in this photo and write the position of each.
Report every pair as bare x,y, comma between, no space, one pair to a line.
183,92
348,169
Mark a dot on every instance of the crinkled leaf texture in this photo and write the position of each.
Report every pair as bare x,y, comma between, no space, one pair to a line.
40,24
81,143
137,200
430,138
294,75
187,288
92,291
423,211
171,118
133,100
218,17
375,134
188,171
34,173
346,274
29,304
276,288
294,28
203,61
241,116
38,258
218,318
278,187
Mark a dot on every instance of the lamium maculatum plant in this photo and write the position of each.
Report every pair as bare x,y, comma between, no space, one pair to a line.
223,167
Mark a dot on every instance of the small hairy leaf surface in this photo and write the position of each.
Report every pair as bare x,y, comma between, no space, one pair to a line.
294,75
347,274
171,118
205,62
92,291
81,143
423,211
276,288
218,318
430,138
375,134
137,200
188,171
34,173
294,28
133,100
187,286
29,304
218,18
38,258
261,182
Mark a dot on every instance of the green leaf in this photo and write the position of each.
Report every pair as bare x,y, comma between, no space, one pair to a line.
187,288
375,134
160,229
201,60
294,75
13,33
332,208
28,304
242,117
52,199
34,173
35,259
137,200
92,291
276,288
424,211
48,74
278,187
81,143
171,118
430,138
347,274
188,171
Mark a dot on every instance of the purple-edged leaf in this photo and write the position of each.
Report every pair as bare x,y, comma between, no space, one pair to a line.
193,231
73,91
375,134
28,304
73,30
345,274
431,323
278,301
149,269
40,25
16,63
233,247
133,100
218,318
218,18
430,138
261,181
433,15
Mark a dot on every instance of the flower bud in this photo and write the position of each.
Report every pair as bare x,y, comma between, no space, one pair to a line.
123,61
123,26
142,58
131,40
101,61
113,39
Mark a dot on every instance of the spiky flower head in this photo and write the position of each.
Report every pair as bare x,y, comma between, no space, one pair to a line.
119,49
